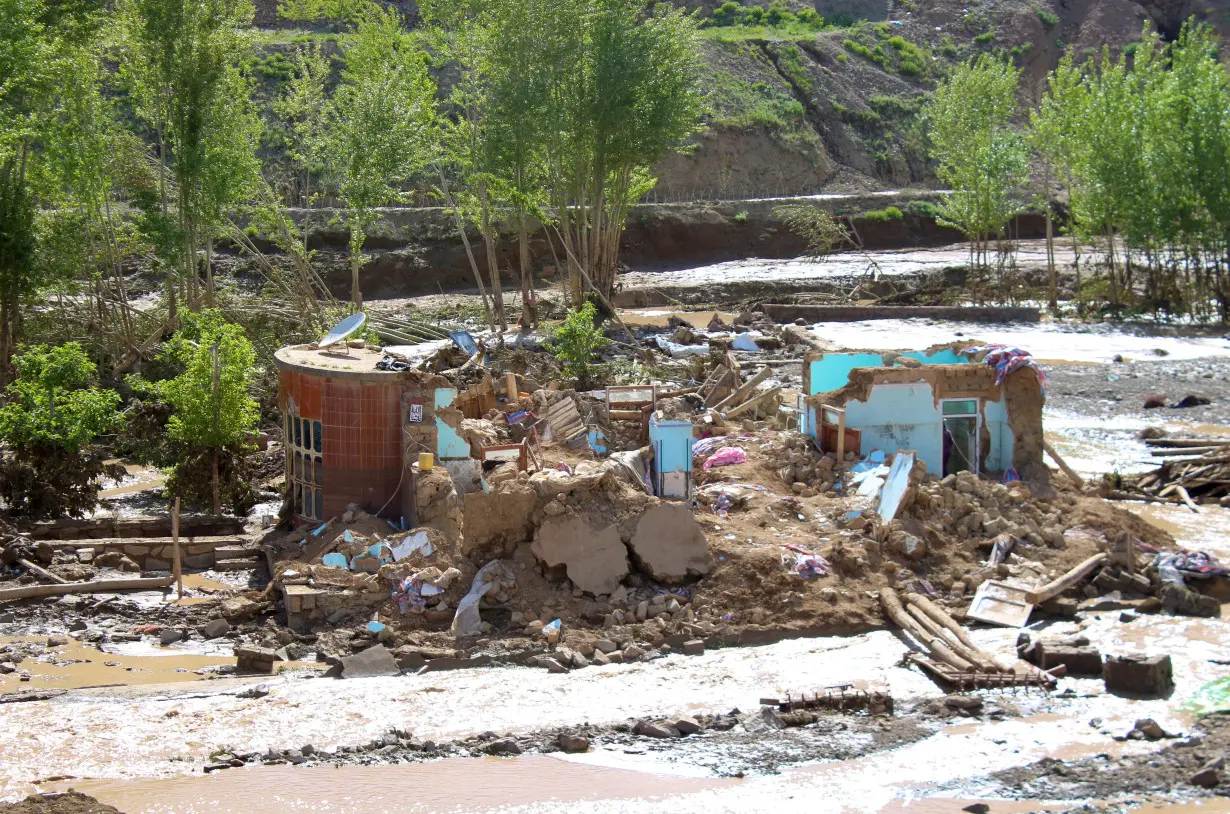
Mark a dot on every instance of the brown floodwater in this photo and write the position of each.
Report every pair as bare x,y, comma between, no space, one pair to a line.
79,665
454,784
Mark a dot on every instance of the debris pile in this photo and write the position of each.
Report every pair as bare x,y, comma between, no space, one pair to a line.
1198,472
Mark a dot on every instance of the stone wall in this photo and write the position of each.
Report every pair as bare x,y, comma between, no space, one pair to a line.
97,528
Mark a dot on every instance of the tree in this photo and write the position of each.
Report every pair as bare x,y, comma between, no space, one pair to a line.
53,416
381,123
212,411
181,60
979,154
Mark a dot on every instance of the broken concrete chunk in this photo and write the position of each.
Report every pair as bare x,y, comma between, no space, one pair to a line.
215,628
595,560
669,545
1078,660
573,743
693,647
1138,675
374,661
652,730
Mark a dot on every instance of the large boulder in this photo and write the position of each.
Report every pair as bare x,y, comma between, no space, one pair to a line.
594,559
668,543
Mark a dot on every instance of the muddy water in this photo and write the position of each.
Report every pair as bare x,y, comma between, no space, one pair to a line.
1207,531
465,784
77,665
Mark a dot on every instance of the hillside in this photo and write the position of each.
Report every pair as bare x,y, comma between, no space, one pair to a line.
797,111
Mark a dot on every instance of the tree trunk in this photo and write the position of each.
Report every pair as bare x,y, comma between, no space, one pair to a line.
529,308
1051,275
356,260
217,485
6,341
209,274
493,263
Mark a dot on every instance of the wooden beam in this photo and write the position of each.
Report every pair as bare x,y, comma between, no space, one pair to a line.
744,389
755,401
1063,583
42,572
1067,470
97,587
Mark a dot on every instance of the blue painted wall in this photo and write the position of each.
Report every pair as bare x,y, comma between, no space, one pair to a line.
448,443
833,369
899,416
995,418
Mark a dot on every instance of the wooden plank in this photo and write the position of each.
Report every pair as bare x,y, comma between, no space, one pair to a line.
96,587
746,388
42,572
1067,470
756,401
1058,586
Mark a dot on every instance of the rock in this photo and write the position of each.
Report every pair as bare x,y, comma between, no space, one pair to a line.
686,725
57,640
1183,600
632,653
1078,660
600,659
1191,400
1149,729
669,545
374,661
967,703
594,559
78,624
977,808
44,552
215,628
85,555
1149,605
693,647
238,608
252,659
259,691
7,618
504,746
1059,606
654,730
1138,675
552,665
573,743
7,667
1209,775
169,636
605,646
1154,400
554,509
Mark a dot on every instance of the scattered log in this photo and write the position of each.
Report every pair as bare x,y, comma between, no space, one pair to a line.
754,401
736,398
1067,470
42,572
97,587
1058,586
938,647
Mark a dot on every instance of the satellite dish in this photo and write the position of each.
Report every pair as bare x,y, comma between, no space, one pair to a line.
343,329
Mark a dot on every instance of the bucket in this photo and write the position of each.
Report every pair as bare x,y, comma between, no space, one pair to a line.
427,461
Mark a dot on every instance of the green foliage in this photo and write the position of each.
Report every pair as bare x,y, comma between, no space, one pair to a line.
923,209
883,215
823,232
985,37
979,154
1047,17
741,217
738,103
53,416
732,22
578,340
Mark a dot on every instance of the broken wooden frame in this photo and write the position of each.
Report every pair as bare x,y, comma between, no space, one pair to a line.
834,436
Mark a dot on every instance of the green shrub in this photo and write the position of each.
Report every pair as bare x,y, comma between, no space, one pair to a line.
876,216
741,217
893,213
1060,44
909,68
1130,49
1047,18
923,209
577,340
842,58
985,37
811,18
49,426
898,42
727,14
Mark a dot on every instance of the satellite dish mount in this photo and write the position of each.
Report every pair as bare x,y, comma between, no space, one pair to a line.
342,330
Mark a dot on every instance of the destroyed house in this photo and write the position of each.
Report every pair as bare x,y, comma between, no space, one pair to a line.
352,430
944,403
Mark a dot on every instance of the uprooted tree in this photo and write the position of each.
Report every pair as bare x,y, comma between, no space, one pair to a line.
213,416
49,426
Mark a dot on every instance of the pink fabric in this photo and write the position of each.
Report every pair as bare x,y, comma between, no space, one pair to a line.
725,456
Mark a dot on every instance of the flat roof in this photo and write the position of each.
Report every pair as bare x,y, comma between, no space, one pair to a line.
336,362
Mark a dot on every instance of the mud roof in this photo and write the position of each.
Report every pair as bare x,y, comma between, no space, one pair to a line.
342,362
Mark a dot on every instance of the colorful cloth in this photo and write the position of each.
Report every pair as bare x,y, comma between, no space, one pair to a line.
1007,360
725,457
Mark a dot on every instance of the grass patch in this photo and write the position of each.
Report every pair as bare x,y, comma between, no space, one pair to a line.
732,22
1047,17
739,104
985,37
884,215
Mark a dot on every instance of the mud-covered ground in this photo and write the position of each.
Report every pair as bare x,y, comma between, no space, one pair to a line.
1120,390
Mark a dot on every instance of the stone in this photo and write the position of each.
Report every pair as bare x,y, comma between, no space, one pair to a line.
503,746
1150,729
654,730
573,743
669,545
252,659
57,640
1183,600
1060,606
45,553
693,647
595,560
578,660
686,725
85,555
78,624
1150,676
1210,774
7,618
966,703
632,653
616,658
376,660
600,659
7,667
215,628
238,608
605,645
169,636
1079,660
552,665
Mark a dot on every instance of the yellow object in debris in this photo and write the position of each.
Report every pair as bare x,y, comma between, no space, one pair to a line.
427,461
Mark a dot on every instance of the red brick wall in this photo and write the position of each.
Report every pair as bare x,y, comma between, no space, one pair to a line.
361,438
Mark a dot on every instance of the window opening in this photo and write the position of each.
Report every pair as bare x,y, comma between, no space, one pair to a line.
305,465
